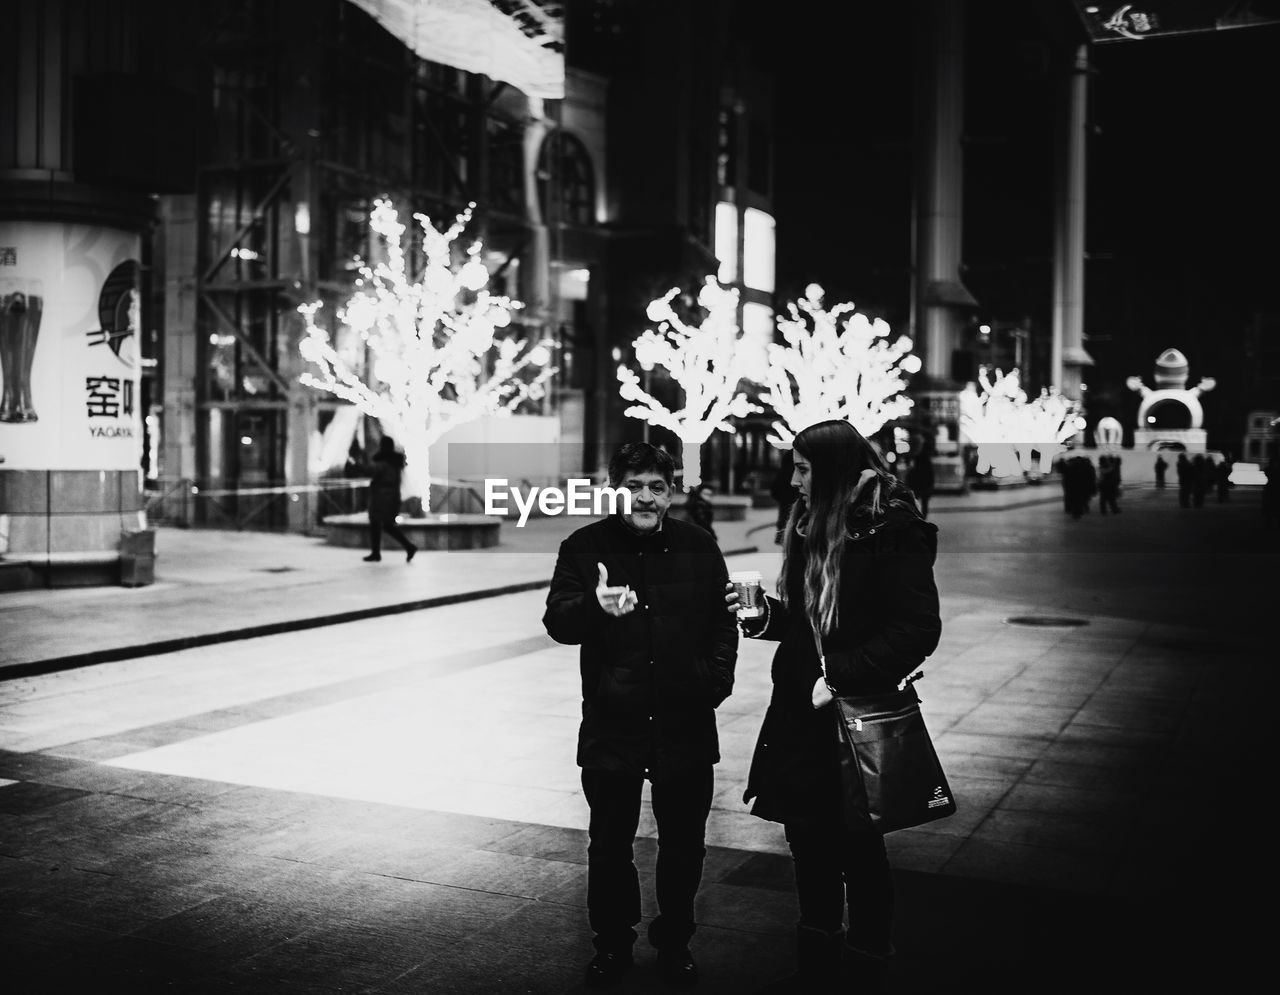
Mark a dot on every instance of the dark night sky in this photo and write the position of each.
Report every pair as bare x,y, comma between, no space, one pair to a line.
1183,202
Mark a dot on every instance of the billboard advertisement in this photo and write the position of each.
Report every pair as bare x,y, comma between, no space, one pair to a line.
69,349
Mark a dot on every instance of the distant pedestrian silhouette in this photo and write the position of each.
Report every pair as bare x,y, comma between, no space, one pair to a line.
1222,478
1161,466
1201,471
1109,484
920,477
1079,484
782,492
1184,480
384,500
1271,494
699,510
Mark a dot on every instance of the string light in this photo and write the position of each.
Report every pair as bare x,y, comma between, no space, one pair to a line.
1014,435
431,337
704,360
836,364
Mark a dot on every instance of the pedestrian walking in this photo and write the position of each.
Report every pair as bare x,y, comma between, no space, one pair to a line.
1079,481
699,509
1185,475
1201,471
920,478
1222,478
641,594
1161,467
857,571
1109,484
1271,493
384,500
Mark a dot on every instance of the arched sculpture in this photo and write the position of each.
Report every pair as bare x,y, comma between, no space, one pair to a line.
1171,387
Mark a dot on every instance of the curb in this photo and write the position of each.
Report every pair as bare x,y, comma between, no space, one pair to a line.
37,668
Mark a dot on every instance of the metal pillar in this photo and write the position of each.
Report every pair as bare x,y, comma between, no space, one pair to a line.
938,292
1068,354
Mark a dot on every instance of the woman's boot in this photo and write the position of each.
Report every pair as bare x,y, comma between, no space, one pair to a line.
818,963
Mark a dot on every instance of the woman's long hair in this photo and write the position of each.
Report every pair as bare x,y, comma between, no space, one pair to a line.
847,475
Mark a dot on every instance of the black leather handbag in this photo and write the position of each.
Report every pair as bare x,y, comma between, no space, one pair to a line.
890,770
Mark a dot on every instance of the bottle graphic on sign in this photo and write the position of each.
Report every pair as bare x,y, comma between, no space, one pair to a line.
21,308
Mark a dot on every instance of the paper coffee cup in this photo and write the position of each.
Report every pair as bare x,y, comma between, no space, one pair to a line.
750,587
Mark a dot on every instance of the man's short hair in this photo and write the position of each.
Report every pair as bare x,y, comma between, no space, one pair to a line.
640,457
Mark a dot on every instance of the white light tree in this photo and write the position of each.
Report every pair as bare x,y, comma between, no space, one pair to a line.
836,364
1010,430
426,354
707,363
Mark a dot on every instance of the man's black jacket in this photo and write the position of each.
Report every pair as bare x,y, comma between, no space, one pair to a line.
651,680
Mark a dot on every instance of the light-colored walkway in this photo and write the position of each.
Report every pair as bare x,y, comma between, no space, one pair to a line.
391,804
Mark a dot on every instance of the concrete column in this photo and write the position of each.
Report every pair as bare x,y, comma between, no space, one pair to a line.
179,237
1068,354
938,291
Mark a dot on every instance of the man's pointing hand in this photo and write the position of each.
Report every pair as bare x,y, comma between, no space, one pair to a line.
616,601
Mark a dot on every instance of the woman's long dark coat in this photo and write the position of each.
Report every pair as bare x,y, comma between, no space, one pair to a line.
384,486
888,624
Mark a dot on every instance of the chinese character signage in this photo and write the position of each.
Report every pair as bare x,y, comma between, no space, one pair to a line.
69,347
1137,21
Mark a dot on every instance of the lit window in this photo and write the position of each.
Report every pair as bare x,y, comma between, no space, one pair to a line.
727,241
758,250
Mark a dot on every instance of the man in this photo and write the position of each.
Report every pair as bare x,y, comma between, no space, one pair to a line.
643,595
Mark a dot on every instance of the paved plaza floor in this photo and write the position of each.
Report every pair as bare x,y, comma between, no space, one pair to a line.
253,801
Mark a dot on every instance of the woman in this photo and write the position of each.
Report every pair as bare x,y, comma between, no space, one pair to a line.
384,500
858,568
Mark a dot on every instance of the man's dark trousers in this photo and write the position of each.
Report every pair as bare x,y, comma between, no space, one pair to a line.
681,804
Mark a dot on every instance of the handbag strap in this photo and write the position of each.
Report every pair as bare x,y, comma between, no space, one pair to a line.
822,662
822,659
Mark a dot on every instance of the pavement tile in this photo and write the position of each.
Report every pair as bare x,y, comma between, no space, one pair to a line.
740,907
35,766
1054,799
924,849
27,797
1023,748
1002,860
1006,718
1097,833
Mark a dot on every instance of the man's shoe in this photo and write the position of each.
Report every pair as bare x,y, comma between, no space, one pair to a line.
607,968
372,558
678,968
408,556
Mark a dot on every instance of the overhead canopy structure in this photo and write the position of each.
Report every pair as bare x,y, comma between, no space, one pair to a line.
520,42
1106,22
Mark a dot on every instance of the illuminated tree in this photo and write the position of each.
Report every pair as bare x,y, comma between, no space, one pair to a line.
1008,429
424,352
704,359
836,364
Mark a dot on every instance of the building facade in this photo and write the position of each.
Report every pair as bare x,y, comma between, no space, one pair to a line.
235,148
